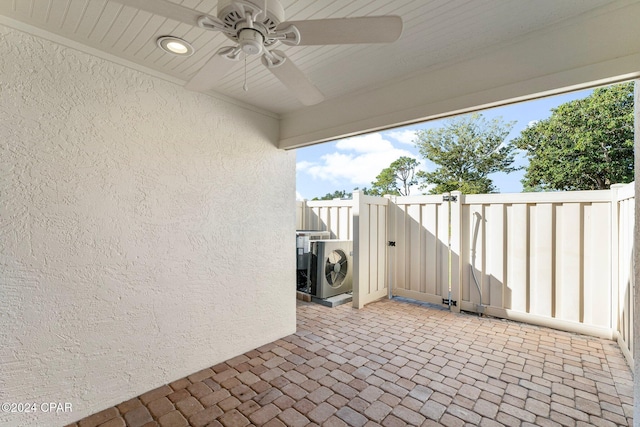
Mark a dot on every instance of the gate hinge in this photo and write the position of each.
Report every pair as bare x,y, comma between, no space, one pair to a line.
392,243
449,302
446,198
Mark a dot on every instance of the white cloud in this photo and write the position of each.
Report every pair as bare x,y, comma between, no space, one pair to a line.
402,136
532,123
356,163
302,165
298,195
370,143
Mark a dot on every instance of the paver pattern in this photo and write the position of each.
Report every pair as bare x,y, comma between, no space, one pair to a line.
397,363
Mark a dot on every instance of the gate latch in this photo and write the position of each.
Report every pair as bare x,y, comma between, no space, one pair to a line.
448,198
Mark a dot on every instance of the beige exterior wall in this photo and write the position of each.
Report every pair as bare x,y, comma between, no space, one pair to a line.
128,254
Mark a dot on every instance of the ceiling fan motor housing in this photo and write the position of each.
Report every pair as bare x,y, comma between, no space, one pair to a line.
230,15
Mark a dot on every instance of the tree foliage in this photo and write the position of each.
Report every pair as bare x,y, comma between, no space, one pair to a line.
586,144
338,194
396,179
466,150
405,172
385,183
343,195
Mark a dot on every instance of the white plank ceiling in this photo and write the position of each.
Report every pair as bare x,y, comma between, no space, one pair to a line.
436,33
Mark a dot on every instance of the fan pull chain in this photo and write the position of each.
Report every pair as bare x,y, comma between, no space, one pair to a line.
245,86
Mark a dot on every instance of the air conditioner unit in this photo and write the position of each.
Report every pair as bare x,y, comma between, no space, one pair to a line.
330,267
303,255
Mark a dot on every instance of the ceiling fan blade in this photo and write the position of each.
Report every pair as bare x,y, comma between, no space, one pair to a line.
366,29
165,8
215,68
291,76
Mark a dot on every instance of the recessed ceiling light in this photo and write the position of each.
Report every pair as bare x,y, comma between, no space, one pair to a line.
175,46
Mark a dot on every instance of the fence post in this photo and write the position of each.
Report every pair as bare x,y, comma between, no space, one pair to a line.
300,207
636,250
391,242
456,248
615,259
355,212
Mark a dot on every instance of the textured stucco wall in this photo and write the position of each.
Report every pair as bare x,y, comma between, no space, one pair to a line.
146,232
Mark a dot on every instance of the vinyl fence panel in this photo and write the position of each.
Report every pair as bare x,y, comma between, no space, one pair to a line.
326,215
541,258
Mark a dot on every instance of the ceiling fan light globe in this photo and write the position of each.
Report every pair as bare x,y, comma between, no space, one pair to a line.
250,41
251,48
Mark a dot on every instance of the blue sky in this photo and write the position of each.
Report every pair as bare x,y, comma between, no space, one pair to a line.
355,162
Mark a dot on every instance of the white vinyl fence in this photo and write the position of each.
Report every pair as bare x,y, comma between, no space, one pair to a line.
543,258
326,215
370,215
419,226
561,259
623,276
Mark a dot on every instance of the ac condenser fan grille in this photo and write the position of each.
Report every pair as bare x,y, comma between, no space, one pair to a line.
335,268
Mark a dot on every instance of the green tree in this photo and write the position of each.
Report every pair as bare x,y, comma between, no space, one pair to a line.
338,194
402,170
586,144
405,172
342,194
466,150
365,191
385,183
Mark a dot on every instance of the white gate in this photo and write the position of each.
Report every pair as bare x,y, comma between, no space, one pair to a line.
423,261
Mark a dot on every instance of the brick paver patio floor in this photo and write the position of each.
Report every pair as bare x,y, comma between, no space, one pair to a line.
398,363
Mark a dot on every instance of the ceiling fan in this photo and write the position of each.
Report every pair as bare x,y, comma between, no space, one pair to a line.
257,27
